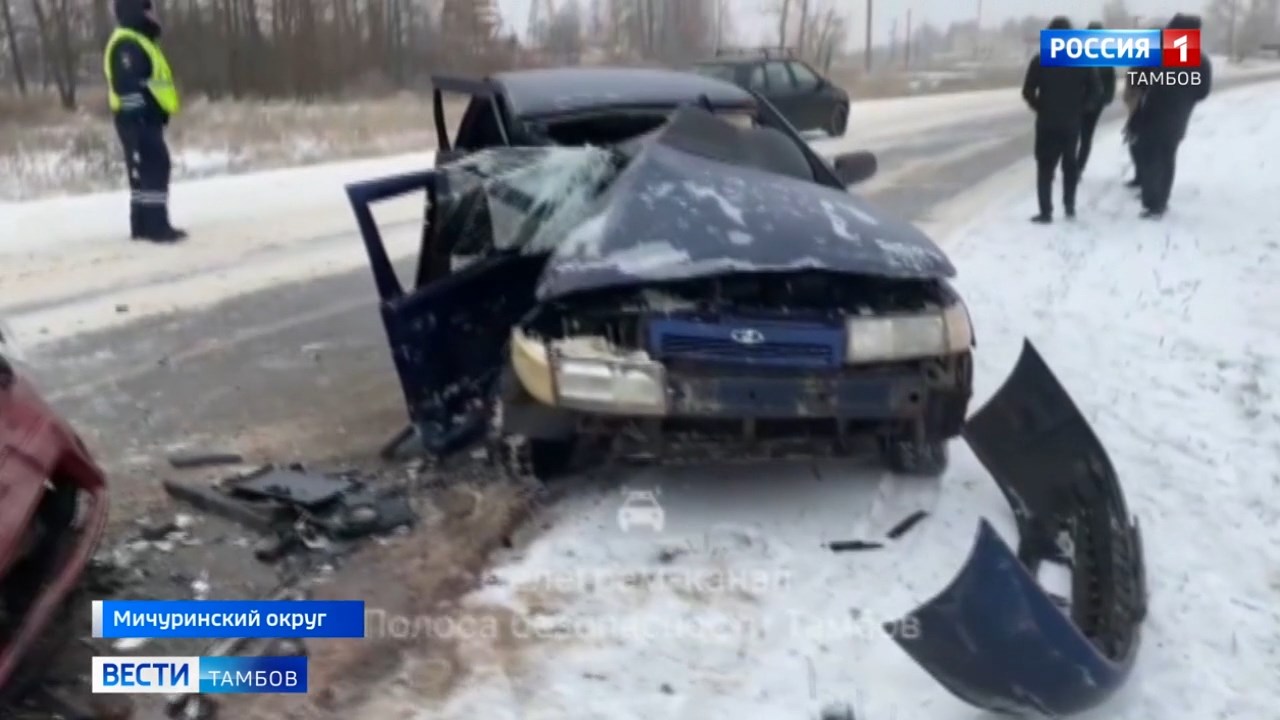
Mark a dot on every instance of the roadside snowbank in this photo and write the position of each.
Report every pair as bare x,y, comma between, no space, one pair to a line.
1167,336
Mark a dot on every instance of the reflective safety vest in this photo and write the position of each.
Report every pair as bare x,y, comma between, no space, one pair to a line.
161,82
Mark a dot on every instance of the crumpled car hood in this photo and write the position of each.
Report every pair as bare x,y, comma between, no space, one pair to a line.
700,197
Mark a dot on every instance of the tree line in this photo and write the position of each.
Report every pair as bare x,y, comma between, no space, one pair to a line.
310,49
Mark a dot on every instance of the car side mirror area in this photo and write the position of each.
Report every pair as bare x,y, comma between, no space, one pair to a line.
855,167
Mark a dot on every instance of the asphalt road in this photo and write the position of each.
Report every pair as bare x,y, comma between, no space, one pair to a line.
301,371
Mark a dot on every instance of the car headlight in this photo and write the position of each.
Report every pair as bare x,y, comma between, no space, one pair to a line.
905,337
611,386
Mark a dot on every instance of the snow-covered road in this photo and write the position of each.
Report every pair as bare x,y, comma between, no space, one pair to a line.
1168,336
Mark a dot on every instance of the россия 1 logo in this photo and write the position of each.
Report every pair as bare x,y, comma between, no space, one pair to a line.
1173,49
1153,57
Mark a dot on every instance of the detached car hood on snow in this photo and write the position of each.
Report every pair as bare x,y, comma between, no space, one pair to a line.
697,198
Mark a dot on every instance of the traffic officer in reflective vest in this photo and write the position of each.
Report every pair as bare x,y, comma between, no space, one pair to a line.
142,98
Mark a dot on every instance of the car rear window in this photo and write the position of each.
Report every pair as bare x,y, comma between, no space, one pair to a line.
718,71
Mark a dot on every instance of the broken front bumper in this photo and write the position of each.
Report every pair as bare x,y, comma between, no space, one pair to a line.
994,637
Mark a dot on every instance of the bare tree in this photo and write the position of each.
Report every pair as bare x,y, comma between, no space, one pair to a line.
59,47
563,35
15,52
784,14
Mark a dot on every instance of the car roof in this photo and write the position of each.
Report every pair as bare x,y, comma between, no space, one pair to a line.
734,60
557,91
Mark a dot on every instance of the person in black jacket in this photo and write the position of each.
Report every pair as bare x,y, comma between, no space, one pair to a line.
1089,123
142,98
1059,96
1159,125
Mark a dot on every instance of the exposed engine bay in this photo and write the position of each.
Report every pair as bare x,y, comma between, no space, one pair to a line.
616,314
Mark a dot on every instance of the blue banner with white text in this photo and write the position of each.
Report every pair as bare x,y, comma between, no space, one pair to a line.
214,619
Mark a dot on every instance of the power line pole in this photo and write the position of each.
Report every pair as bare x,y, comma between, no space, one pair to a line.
977,32
893,41
906,51
869,35
1231,32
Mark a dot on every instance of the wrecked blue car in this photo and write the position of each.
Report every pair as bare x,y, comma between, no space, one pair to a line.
702,284
709,282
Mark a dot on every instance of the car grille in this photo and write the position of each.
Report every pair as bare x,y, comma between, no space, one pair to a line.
794,345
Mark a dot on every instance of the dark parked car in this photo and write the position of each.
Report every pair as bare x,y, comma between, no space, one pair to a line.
806,98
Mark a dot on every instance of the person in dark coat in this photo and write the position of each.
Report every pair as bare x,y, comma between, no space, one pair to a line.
143,98
1160,124
1132,100
1059,96
1107,83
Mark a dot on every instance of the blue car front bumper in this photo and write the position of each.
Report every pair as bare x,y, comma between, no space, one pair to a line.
994,637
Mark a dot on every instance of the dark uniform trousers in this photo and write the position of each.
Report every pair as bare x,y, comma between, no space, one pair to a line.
146,157
1056,145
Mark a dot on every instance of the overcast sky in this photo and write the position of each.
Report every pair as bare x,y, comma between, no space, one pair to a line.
755,23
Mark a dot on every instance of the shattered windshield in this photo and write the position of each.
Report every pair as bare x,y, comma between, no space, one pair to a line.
524,198
698,197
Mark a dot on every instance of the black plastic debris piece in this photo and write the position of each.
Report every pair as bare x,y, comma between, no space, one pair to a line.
363,512
838,711
153,531
852,545
187,460
903,527
259,516
273,547
294,486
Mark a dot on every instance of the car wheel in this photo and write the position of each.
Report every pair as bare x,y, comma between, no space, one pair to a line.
839,121
526,460
908,456
521,458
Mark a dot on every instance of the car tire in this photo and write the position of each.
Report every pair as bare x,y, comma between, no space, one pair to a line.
525,460
521,458
839,121
914,458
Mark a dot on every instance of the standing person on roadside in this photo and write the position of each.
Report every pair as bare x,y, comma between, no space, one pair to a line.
143,98
1160,124
1059,97
1132,99
1107,82
1133,95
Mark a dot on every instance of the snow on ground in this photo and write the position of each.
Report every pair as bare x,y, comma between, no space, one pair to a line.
1168,336
66,264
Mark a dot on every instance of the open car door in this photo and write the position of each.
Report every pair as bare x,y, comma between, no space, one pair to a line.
448,333
483,122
